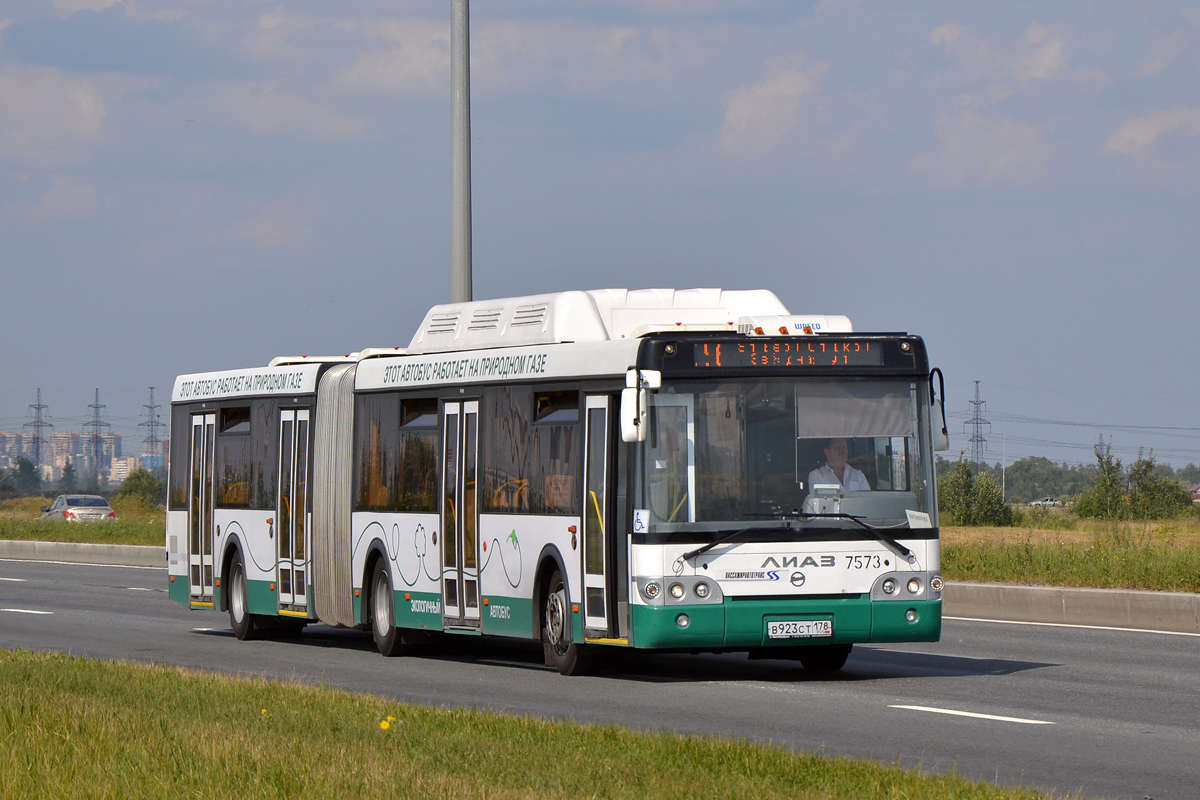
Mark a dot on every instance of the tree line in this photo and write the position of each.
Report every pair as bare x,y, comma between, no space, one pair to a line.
1106,490
24,480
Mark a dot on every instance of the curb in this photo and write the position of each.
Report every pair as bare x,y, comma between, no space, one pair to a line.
120,555
1118,608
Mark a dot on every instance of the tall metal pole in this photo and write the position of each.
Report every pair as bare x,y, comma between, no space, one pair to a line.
460,152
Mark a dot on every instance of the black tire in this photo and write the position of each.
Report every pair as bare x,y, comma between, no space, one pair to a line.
562,652
383,611
824,658
240,618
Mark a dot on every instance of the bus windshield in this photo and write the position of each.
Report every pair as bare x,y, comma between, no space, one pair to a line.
817,452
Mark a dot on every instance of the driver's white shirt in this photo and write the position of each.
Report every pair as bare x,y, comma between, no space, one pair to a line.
855,480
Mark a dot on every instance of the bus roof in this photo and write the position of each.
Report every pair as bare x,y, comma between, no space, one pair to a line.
585,316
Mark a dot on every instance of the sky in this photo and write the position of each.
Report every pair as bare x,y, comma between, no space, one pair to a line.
195,185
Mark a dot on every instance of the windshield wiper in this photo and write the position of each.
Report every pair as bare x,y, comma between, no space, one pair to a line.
719,540
875,533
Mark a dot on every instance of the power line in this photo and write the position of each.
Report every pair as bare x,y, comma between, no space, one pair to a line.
977,422
39,424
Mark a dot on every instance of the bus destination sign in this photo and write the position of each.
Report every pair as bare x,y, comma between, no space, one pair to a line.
807,352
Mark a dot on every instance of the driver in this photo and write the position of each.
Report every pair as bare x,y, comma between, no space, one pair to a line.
836,470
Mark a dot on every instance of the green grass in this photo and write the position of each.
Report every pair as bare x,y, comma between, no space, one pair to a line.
135,524
1118,560
76,727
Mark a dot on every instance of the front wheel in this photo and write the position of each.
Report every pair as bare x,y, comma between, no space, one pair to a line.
239,601
824,658
562,652
383,611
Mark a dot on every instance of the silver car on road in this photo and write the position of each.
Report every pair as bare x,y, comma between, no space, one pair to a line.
79,508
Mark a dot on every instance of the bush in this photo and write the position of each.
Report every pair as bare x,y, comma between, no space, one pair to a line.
1150,495
966,499
142,484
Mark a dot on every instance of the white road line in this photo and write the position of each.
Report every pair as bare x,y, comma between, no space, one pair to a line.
25,611
76,563
973,715
13,580
201,630
143,589
1069,625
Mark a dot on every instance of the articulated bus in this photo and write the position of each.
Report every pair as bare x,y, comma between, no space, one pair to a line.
653,469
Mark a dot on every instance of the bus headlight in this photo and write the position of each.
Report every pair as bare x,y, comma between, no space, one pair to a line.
910,615
651,590
676,591
682,620
914,586
701,590
889,586
935,583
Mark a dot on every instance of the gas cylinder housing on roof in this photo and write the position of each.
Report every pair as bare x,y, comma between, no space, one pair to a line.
586,316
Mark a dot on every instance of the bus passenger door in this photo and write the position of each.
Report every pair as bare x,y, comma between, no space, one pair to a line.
291,531
460,515
596,519
200,509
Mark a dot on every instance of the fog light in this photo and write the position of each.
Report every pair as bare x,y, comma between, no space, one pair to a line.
889,586
701,590
910,615
914,586
676,590
682,620
935,583
651,590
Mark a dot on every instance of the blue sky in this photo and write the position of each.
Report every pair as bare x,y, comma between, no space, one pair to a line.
188,186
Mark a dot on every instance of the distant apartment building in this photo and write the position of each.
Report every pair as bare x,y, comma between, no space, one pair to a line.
88,452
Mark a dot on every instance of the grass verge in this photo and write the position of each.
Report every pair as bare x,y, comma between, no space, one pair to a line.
135,524
80,727
1158,556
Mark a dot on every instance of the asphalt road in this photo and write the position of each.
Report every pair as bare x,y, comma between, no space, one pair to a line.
1102,713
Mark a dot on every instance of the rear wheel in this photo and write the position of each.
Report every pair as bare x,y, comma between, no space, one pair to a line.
562,652
383,611
824,658
239,600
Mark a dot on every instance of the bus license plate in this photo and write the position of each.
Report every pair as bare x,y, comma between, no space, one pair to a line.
799,628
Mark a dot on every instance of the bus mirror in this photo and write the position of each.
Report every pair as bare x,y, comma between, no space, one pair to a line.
633,415
941,439
937,410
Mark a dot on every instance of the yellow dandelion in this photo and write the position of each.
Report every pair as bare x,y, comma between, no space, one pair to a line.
385,724
264,711
391,718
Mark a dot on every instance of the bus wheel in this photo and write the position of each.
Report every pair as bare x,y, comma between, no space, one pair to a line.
383,611
239,601
562,652
824,658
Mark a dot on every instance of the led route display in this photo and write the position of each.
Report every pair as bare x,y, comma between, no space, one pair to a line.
809,352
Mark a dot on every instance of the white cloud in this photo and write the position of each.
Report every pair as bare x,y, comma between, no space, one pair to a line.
265,108
1162,53
274,228
408,57
66,197
66,8
982,148
46,118
1137,136
1037,54
760,116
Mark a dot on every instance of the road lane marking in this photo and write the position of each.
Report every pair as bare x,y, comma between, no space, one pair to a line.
974,715
144,589
77,563
1070,625
14,580
25,611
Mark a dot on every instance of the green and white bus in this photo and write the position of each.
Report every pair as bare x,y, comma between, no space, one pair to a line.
592,470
